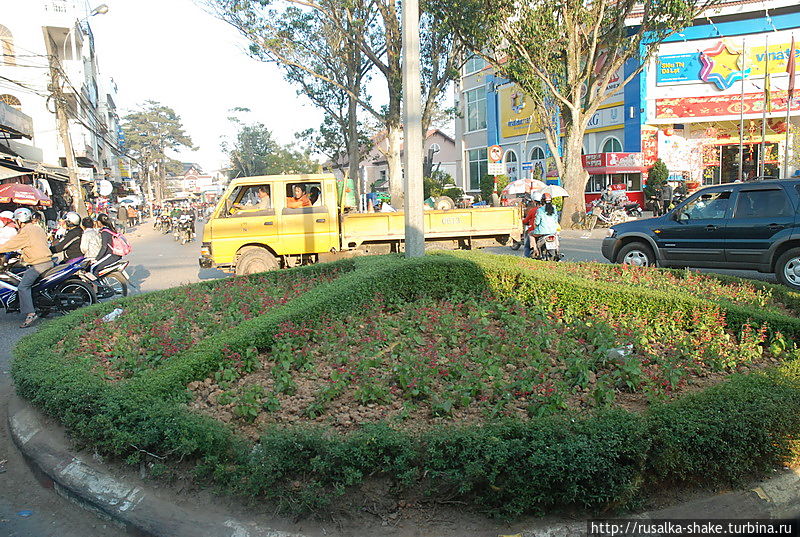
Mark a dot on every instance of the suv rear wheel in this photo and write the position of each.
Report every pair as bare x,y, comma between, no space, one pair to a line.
787,269
636,253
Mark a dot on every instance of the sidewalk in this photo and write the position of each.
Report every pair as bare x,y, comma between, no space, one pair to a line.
146,509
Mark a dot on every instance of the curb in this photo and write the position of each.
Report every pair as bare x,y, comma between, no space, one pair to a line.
135,509
143,512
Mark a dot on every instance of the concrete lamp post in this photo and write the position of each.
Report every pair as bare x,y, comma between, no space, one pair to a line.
412,127
61,115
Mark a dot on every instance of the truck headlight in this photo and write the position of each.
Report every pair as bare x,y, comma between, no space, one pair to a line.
611,232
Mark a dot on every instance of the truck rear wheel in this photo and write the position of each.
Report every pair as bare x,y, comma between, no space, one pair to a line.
255,260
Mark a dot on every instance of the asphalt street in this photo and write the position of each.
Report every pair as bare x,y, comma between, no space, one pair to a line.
32,509
29,509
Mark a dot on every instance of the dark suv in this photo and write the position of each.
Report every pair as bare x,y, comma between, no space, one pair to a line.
748,226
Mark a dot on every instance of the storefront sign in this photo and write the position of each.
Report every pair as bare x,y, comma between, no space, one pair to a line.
725,58
676,68
516,112
600,163
720,105
649,146
605,118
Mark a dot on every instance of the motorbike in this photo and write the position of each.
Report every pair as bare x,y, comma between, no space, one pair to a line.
632,209
112,281
59,289
550,248
606,213
186,230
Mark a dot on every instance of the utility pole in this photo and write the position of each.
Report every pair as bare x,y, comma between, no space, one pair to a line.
78,204
412,125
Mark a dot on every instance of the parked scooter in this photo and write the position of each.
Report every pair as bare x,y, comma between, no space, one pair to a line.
59,289
632,209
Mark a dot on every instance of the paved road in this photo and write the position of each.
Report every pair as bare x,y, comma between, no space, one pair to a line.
585,246
157,262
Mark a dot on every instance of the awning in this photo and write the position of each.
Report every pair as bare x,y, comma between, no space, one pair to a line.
7,173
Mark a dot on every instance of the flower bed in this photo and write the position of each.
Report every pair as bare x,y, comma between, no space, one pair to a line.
431,362
736,291
153,329
460,413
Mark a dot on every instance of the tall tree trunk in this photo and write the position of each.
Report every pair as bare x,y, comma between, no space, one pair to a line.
573,176
352,145
393,139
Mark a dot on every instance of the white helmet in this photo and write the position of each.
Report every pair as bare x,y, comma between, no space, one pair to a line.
7,214
23,215
72,218
536,196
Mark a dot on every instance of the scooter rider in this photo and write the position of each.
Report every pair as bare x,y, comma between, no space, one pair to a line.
31,241
546,222
71,243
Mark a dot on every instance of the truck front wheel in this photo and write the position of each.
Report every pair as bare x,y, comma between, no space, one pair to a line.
255,260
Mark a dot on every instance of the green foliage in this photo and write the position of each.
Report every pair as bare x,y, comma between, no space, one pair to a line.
599,461
656,178
487,185
436,184
551,47
255,152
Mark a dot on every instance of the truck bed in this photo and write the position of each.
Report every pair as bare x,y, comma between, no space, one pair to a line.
490,222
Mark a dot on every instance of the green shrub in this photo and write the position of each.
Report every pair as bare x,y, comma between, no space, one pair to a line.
740,427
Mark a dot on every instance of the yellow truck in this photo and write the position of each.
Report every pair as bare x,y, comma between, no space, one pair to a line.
269,222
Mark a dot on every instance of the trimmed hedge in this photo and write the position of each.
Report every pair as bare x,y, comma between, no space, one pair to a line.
504,468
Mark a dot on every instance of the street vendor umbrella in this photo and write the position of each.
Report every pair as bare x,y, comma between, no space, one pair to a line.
23,195
520,186
555,191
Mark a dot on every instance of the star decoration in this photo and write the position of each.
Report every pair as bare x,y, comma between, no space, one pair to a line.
721,65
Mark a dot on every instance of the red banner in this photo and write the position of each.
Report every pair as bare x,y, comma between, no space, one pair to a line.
720,105
601,163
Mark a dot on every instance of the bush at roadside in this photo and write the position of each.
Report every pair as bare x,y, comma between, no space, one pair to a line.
716,437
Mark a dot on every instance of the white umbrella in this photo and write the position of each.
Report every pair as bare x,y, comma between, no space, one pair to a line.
555,191
520,186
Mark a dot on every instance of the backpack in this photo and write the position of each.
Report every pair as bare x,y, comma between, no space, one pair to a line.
119,244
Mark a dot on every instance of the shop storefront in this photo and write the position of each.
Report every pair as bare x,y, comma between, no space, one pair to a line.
720,111
620,171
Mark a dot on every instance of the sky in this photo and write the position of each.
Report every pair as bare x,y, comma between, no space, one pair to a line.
172,52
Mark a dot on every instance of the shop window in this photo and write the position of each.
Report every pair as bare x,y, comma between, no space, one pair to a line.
537,153
478,167
612,145
7,47
476,109
511,165
596,183
762,204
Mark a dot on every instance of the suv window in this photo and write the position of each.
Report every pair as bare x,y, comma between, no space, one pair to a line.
762,204
710,206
